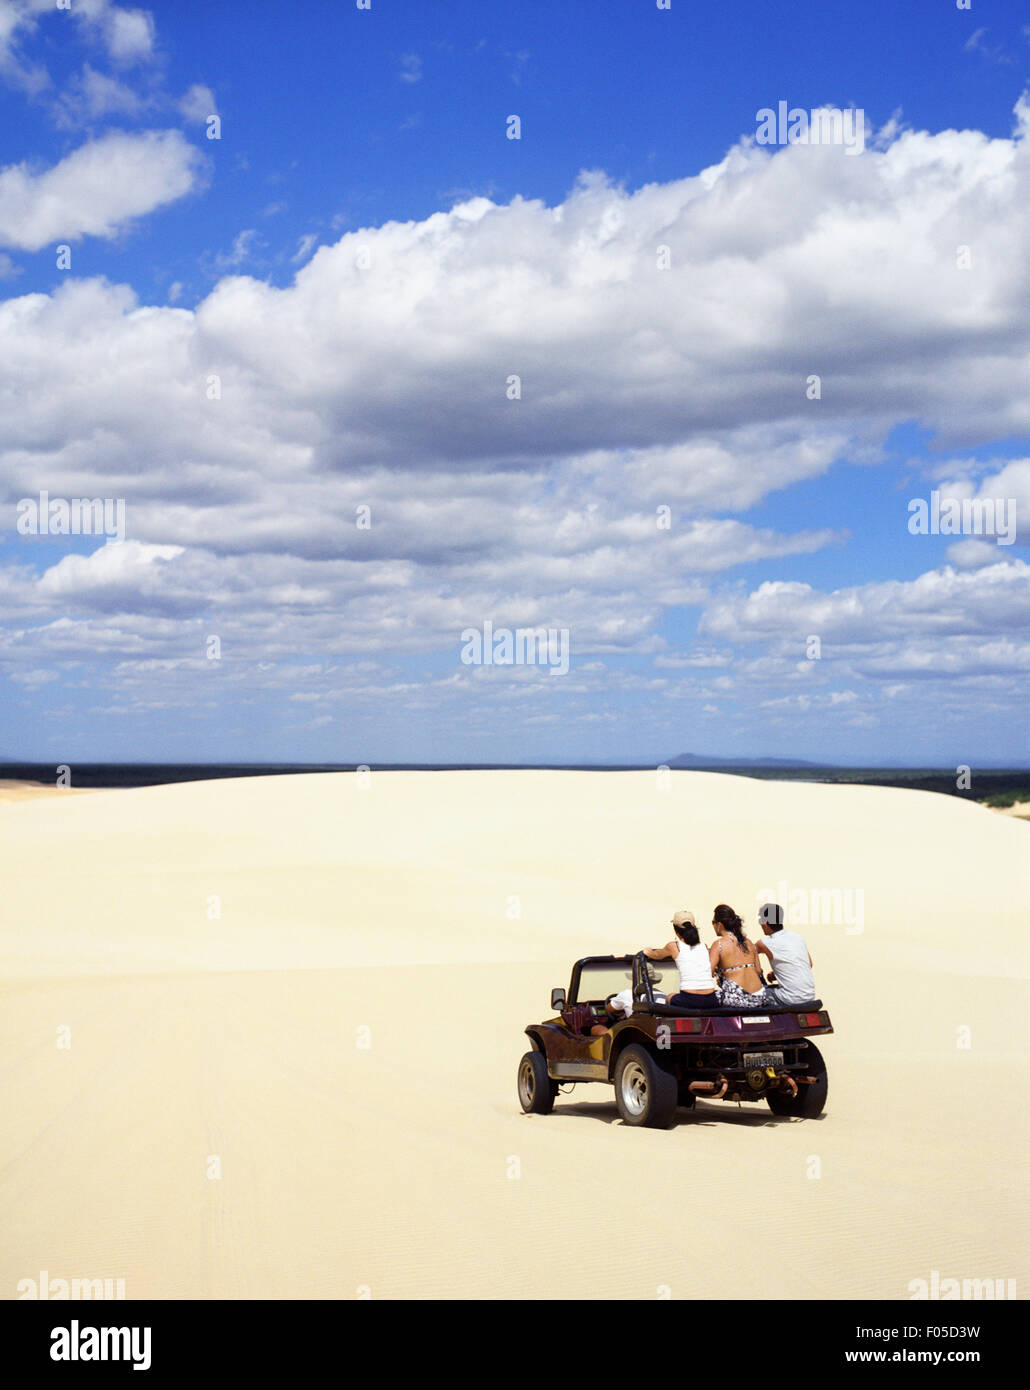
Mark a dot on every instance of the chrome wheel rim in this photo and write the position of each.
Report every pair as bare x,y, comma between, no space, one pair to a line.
633,1087
526,1084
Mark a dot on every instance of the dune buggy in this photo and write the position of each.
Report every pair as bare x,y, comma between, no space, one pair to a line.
659,1057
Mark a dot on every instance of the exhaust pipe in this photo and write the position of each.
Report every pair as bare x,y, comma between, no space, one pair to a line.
708,1087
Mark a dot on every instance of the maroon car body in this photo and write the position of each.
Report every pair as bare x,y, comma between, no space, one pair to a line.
659,1058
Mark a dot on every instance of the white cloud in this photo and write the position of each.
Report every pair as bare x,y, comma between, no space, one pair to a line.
979,43
97,190
93,95
941,601
116,575
245,245
972,554
198,104
305,246
410,67
380,378
18,22
34,678
1008,488
126,34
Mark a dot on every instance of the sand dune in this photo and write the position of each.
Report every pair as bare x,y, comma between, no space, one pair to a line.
222,951
26,791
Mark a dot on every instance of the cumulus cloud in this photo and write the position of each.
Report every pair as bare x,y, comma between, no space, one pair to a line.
97,190
198,104
19,20
542,415
93,95
1008,489
941,601
118,37
34,678
126,36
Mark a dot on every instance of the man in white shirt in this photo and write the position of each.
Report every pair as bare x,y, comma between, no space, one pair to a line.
623,1001
795,982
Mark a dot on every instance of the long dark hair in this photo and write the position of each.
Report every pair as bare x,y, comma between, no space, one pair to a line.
727,918
688,935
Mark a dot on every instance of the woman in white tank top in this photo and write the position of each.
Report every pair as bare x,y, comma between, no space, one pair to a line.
697,983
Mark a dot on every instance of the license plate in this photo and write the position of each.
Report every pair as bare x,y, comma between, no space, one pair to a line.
763,1059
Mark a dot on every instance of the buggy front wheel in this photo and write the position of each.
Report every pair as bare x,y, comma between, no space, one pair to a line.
536,1089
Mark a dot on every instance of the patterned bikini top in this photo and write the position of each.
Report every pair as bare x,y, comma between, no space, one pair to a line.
748,965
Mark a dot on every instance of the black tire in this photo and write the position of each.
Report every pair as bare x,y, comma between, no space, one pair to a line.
810,1100
536,1089
645,1092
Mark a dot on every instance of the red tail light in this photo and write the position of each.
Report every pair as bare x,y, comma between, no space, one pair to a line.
810,1020
688,1025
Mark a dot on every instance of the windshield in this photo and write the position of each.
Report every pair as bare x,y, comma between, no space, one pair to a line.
598,980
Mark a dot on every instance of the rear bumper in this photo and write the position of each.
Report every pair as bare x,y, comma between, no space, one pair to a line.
743,1029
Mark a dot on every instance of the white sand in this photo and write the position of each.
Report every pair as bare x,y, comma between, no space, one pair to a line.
387,1167
25,791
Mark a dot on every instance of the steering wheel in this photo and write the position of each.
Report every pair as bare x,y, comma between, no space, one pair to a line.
608,1002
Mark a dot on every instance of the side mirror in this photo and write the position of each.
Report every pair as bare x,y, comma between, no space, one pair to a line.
557,999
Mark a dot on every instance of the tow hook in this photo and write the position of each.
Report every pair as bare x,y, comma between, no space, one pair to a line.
782,1076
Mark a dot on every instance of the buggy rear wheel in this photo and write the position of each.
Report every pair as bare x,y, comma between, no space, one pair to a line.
536,1089
645,1093
810,1100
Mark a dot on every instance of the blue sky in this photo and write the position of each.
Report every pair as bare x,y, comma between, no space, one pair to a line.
322,309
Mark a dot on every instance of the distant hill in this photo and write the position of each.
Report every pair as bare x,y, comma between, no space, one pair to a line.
990,784
688,760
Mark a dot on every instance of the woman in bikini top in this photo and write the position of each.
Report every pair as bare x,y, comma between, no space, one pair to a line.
732,954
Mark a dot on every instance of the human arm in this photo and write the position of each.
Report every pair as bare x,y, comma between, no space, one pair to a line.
666,952
620,1005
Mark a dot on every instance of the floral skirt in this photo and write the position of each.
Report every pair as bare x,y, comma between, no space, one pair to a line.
733,997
